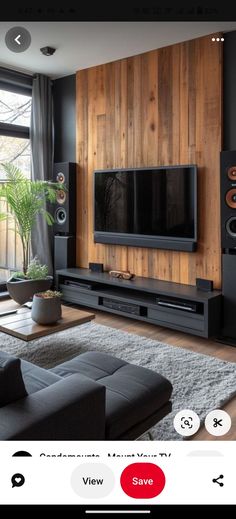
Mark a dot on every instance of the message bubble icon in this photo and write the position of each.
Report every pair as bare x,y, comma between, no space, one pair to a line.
17,480
22,453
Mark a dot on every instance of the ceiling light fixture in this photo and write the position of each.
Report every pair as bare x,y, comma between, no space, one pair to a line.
48,51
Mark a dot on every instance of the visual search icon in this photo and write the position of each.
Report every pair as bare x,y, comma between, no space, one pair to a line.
186,422
17,480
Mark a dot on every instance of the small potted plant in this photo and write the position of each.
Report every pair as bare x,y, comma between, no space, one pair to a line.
46,307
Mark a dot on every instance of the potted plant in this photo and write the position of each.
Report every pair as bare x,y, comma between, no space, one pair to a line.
24,200
46,307
22,287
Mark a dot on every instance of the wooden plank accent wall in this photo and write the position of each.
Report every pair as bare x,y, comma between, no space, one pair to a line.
159,108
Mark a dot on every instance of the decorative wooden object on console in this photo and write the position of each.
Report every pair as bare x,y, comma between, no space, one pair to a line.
122,274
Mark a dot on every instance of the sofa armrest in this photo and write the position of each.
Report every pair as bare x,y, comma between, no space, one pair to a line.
71,409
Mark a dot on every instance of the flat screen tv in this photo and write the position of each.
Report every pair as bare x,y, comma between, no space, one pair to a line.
147,207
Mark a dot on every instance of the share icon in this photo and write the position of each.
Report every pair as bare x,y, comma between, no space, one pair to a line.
216,480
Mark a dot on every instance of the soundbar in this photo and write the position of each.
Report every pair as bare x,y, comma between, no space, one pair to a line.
182,305
121,306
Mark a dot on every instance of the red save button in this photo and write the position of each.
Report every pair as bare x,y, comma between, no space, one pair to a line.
142,480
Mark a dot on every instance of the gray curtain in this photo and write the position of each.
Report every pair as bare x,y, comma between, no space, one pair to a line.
41,137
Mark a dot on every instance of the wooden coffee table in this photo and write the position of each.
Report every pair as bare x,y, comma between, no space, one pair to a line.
21,325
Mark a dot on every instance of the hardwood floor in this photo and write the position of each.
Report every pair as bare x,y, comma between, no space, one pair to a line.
177,339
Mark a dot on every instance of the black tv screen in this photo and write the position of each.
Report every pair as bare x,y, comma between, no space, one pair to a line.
151,207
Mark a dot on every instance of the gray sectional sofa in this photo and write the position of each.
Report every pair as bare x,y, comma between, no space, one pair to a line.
91,397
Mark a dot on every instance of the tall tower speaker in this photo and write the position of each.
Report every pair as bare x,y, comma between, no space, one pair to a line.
65,209
65,215
228,244
229,296
228,200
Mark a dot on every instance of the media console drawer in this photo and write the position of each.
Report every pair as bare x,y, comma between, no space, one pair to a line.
193,321
76,295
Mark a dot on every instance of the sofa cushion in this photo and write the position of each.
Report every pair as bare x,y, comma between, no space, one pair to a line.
92,364
12,386
132,392
36,378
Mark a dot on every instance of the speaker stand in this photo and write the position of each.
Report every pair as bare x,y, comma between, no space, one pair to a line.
64,251
229,341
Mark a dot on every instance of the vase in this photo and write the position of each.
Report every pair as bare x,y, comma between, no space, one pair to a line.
22,290
46,311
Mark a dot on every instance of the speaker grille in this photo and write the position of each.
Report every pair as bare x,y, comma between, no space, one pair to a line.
231,226
60,216
232,173
60,177
61,196
231,198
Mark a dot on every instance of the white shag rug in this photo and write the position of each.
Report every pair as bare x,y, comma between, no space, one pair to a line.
200,382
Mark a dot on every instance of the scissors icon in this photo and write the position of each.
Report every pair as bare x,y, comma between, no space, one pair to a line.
217,422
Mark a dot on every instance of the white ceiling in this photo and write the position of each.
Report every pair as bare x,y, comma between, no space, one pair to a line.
85,44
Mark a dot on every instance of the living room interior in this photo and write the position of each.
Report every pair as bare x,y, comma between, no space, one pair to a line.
124,136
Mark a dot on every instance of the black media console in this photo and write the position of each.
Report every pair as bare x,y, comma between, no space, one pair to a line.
181,307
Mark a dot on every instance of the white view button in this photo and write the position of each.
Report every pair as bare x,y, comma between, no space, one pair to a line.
92,480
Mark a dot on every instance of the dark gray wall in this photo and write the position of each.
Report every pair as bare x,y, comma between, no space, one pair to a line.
64,91
229,92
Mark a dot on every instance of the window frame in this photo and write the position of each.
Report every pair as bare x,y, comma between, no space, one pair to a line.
13,81
14,130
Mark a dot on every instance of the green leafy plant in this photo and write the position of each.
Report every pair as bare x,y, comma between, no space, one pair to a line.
17,275
25,199
49,294
36,271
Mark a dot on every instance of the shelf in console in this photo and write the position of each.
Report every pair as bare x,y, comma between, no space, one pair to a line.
148,285
118,294
138,299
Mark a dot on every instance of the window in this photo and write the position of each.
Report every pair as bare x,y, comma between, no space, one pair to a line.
15,111
15,108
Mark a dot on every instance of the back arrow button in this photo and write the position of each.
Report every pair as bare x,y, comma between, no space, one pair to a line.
18,39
